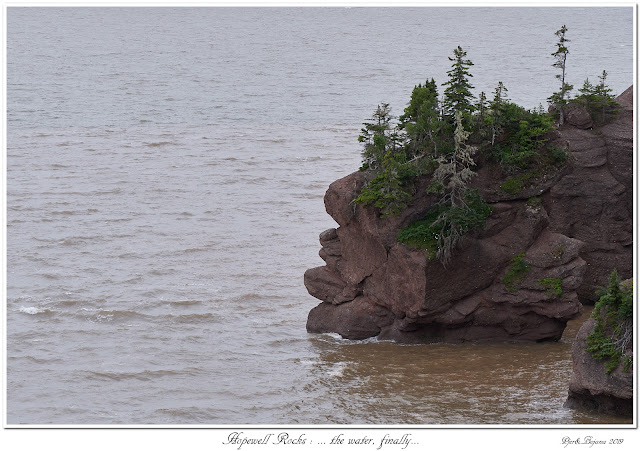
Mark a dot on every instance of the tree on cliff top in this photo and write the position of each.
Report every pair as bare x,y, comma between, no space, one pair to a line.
598,100
560,97
462,209
377,137
457,95
421,121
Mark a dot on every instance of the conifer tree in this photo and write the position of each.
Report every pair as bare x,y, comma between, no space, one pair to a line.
604,98
454,170
377,136
560,97
481,117
421,120
587,95
598,99
481,107
454,173
457,95
497,113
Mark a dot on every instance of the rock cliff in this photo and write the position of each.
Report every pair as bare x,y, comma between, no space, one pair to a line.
573,226
591,387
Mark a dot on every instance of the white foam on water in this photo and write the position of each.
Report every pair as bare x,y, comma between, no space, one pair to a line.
31,310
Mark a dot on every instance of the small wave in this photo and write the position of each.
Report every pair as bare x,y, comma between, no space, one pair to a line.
193,249
109,191
337,370
34,310
70,242
142,375
272,140
305,159
160,143
160,272
184,302
188,414
113,315
40,360
129,255
72,302
193,318
248,297
69,143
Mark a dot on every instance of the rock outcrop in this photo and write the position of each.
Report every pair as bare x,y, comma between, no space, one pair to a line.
591,388
575,232
593,202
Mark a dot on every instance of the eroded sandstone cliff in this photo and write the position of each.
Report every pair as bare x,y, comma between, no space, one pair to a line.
591,387
575,231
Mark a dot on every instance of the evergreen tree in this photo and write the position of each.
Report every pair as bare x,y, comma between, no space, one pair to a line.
560,97
481,117
421,121
597,99
377,136
457,94
454,170
391,188
587,95
498,107
481,106
453,174
604,98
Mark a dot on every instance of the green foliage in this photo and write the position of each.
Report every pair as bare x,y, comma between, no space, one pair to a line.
457,94
494,122
453,173
375,137
422,123
587,96
454,170
391,188
523,139
598,100
534,202
444,221
612,335
442,137
559,156
515,184
516,272
553,286
421,234
560,97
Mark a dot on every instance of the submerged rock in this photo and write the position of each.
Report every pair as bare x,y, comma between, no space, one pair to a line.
578,229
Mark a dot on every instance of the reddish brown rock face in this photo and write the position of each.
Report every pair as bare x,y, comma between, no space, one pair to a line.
374,286
591,387
594,201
